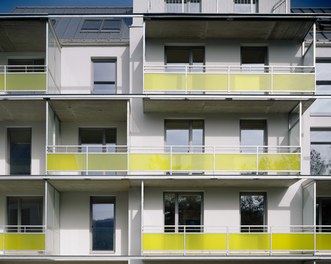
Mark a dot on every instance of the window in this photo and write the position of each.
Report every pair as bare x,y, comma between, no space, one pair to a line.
98,139
320,152
254,57
101,25
103,223
323,213
252,212
90,24
183,6
178,57
34,65
182,210
185,135
19,147
24,214
246,6
253,134
104,73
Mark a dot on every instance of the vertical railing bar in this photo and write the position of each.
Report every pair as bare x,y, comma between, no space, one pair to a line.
227,240
186,77
270,240
86,166
214,161
170,160
229,80
5,78
257,160
184,242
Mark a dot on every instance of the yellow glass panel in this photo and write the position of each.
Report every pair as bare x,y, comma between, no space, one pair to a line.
323,241
192,162
66,162
235,162
149,162
164,82
26,82
292,242
279,162
206,242
249,241
294,82
2,82
250,82
24,241
1,241
112,162
161,242
207,82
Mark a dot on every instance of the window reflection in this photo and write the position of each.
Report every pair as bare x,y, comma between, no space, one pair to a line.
320,152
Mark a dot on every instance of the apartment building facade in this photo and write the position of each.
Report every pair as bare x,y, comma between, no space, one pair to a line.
171,132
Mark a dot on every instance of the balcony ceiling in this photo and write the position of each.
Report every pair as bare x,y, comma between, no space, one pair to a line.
90,110
230,28
23,186
22,35
221,106
21,110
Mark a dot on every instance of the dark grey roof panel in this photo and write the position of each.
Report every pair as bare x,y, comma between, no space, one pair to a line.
73,9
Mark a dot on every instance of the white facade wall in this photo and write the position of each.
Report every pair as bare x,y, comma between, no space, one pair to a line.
75,223
77,68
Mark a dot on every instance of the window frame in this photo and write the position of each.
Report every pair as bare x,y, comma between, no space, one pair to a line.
103,60
112,199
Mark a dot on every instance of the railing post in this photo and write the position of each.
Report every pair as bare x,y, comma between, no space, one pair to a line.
314,230
214,160
270,241
186,73
184,242
170,160
257,160
227,240
271,79
183,7
229,80
86,166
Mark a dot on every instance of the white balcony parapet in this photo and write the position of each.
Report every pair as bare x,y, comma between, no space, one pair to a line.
228,79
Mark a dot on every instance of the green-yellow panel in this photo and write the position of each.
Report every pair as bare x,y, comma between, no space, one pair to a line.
206,242
192,162
149,162
1,241
2,82
279,162
292,242
294,82
24,241
26,82
235,162
323,241
111,162
249,241
66,162
161,242
249,82
207,82
164,82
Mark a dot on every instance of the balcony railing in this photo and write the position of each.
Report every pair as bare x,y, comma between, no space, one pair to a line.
22,239
235,240
174,159
23,78
229,79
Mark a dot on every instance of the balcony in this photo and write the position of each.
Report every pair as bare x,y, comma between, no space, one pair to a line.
22,239
23,78
233,240
229,79
174,159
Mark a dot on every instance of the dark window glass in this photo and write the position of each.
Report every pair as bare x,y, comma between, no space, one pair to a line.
19,140
103,223
252,212
320,152
254,55
185,55
111,25
183,211
91,24
26,212
104,73
323,214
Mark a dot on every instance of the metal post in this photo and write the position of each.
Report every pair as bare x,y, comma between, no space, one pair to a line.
86,165
229,80
142,217
271,79
5,78
186,72
270,241
184,242
214,161
227,240
257,160
170,160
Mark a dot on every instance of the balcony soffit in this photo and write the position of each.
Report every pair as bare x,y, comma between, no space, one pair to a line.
222,106
22,110
228,29
90,110
24,186
22,35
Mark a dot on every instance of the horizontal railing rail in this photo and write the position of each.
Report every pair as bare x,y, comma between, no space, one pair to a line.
23,78
188,239
174,159
23,238
229,78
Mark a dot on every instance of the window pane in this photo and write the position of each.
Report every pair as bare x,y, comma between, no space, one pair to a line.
12,211
320,136
323,71
110,135
197,135
91,24
198,54
104,89
252,133
111,25
91,135
104,71
320,159
252,210
189,211
254,55
177,133
326,212
20,150
169,211
177,55
103,226
32,211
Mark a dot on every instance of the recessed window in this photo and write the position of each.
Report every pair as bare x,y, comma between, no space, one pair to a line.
90,24
24,214
103,223
252,212
320,152
253,134
183,211
111,25
99,25
254,55
104,76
